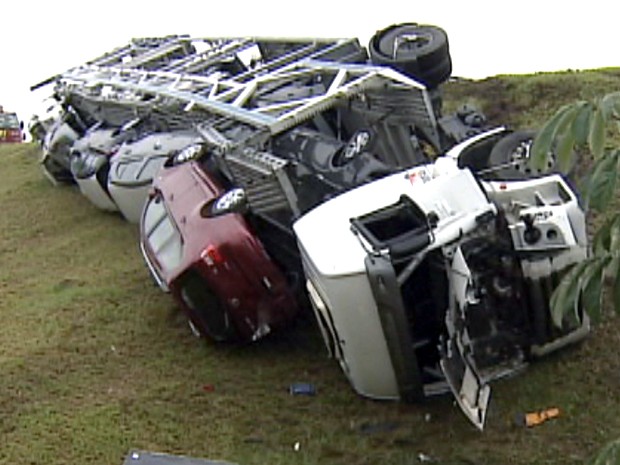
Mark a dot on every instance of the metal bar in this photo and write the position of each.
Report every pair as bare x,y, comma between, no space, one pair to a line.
337,82
321,103
217,49
88,73
110,57
213,58
265,79
283,105
157,53
245,116
245,94
278,62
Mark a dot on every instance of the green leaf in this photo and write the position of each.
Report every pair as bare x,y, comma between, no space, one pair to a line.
565,297
614,235
596,136
564,151
612,269
591,285
616,287
581,124
602,237
602,184
610,105
609,454
543,143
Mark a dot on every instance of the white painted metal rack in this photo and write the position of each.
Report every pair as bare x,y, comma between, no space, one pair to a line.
253,96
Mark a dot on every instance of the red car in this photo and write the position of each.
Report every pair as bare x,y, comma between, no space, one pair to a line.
213,264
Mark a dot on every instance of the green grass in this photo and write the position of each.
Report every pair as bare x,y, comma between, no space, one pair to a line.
95,361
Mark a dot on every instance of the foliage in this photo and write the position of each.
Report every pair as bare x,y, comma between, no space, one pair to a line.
582,127
609,455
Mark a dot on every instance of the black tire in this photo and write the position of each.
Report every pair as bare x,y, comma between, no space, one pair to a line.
429,47
415,50
208,316
509,158
433,77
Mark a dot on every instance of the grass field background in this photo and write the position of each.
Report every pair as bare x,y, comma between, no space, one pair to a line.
95,361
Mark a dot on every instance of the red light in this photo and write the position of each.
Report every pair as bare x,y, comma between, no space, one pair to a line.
212,256
502,187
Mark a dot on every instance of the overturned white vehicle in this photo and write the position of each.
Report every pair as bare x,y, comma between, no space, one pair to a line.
430,278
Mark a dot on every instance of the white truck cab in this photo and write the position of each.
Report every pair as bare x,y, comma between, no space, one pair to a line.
430,279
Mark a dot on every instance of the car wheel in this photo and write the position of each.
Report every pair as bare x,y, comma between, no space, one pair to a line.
509,159
208,316
419,51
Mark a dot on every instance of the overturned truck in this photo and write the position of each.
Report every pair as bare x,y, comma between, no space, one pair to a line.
428,276
271,173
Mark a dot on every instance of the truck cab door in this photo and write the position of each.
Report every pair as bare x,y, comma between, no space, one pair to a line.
471,392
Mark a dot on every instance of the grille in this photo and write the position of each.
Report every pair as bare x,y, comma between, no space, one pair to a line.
260,174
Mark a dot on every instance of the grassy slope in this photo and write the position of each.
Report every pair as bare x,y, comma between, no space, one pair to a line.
94,360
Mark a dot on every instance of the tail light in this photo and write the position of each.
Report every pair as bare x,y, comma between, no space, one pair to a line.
212,256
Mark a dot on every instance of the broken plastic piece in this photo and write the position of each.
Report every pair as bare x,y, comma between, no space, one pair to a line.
425,458
302,389
536,418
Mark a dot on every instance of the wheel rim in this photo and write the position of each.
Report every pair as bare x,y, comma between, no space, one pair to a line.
409,42
520,159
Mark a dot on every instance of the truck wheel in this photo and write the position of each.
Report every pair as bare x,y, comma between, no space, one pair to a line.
509,158
416,50
433,77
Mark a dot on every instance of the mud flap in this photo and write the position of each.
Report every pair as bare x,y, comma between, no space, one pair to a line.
457,363
395,326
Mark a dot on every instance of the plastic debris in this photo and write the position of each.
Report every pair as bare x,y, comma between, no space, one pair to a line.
426,458
297,446
302,389
537,418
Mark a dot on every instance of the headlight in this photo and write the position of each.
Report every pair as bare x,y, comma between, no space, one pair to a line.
84,165
188,153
